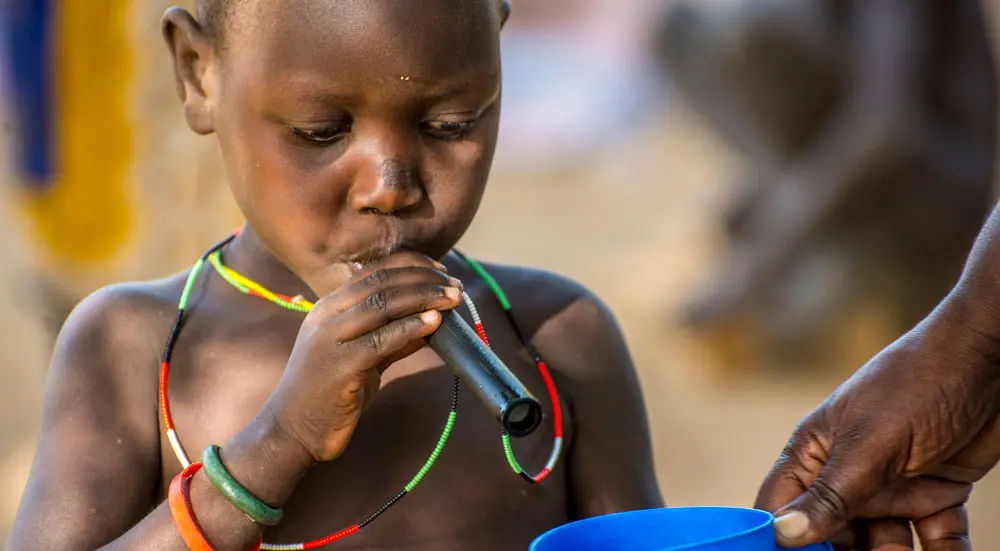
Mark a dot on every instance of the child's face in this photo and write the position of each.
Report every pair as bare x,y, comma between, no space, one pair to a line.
349,127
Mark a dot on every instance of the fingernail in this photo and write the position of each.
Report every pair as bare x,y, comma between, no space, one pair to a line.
429,317
452,292
791,527
440,266
455,282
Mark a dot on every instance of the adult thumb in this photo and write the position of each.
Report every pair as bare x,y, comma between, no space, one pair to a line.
848,479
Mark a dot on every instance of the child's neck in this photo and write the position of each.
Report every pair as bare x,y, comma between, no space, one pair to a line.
247,255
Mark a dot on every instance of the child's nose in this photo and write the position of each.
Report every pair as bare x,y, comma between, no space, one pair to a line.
388,186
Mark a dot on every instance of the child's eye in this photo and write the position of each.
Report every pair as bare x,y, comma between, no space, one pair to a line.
448,130
322,136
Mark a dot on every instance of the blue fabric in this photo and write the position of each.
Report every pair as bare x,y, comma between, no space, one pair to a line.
26,32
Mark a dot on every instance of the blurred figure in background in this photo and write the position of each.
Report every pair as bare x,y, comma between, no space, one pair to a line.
868,129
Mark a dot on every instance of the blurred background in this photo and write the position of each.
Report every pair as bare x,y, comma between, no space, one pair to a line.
766,192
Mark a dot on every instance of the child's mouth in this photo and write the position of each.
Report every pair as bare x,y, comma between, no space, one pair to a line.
372,257
389,243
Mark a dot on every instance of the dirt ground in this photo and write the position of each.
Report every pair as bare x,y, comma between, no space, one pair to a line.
637,226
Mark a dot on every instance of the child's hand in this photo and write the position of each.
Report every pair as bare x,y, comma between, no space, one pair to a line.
351,336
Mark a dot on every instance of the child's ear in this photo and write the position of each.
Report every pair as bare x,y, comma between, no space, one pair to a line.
504,12
192,52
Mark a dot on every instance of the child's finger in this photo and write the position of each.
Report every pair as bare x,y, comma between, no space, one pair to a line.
387,305
330,281
391,339
379,281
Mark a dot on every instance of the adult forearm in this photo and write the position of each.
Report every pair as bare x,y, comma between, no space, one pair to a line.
974,303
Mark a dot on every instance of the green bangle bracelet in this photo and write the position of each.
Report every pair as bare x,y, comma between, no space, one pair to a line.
240,497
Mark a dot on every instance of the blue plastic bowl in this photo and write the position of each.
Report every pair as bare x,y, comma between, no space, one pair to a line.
672,529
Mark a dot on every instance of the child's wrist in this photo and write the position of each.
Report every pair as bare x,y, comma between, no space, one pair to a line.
267,460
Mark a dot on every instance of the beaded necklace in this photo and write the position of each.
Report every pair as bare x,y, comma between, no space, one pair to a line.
298,304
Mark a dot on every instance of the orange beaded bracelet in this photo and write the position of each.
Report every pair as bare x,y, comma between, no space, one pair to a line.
180,508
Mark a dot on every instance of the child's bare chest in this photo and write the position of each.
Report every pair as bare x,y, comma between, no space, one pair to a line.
470,499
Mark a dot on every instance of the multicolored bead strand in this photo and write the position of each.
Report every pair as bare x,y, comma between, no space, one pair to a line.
253,289
168,350
298,304
539,363
449,424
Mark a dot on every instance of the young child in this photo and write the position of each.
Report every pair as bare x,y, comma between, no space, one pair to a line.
357,137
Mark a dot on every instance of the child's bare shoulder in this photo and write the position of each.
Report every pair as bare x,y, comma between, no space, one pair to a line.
569,324
125,324
103,376
541,295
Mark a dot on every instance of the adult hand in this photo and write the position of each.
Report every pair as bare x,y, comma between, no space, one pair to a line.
897,447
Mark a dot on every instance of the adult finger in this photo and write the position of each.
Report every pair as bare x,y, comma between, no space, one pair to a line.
796,468
915,498
849,536
947,530
854,470
889,534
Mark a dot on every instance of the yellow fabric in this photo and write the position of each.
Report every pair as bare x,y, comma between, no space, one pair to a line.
84,219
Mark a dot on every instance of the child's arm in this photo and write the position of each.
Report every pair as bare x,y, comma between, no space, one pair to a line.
97,466
609,458
97,462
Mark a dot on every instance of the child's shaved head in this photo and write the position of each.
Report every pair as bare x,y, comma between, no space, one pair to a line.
215,15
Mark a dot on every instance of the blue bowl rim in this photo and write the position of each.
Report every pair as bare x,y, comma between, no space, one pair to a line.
768,518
